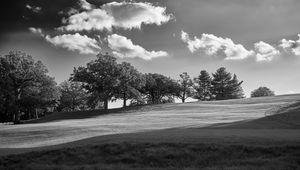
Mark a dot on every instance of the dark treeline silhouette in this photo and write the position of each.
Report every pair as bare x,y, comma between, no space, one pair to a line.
27,91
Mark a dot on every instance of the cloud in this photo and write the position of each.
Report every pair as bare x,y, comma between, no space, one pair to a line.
124,48
212,44
265,52
85,5
126,15
34,9
75,42
36,31
291,46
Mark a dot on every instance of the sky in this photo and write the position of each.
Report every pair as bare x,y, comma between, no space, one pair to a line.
258,40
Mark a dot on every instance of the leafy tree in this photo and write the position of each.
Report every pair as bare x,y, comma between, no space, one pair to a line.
131,81
202,86
185,87
224,86
159,86
73,96
43,95
6,95
19,72
262,91
99,77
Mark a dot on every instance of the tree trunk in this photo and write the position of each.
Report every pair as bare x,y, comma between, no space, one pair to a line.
124,99
6,105
17,110
183,100
105,104
17,117
152,97
36,114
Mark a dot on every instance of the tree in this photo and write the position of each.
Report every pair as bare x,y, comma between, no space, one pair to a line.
99,77
6,89
202,85
224,86
158,87
44,95
235,89
73,96
19,72
131,81
262,91
185,87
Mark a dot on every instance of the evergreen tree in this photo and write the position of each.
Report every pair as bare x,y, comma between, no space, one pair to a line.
235,89
224,86
202,85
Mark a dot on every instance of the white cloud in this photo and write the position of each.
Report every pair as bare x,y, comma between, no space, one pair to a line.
126,15
211,44
75,42
124,48
34,9
265,52
291,45
85,5
36,31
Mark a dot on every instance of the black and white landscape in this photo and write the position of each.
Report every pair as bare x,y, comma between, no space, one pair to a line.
170,84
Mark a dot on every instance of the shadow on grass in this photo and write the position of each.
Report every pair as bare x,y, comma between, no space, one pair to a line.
80,114
159,156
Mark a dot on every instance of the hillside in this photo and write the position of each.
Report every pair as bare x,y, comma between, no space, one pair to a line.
147,118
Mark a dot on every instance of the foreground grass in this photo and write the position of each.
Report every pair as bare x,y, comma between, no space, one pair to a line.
160,156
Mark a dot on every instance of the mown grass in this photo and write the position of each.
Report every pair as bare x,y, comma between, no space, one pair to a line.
160,156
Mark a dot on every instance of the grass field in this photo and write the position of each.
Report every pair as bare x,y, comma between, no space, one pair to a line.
60,128
233,134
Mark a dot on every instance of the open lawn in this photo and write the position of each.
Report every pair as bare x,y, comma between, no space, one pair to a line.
232,134
62,129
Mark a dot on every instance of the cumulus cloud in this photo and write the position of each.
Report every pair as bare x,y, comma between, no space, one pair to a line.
212,44
75,42
126,15
291,45
85,5
124,48
265,52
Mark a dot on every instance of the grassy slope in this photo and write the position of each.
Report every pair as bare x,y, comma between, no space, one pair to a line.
266,143
59,128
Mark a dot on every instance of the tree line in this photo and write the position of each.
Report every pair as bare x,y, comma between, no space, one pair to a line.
27,90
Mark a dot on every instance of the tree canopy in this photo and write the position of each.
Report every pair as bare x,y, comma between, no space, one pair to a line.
202,86
21,79
185,87
262,91
224,86
159,88
73,96
99,77
27,88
